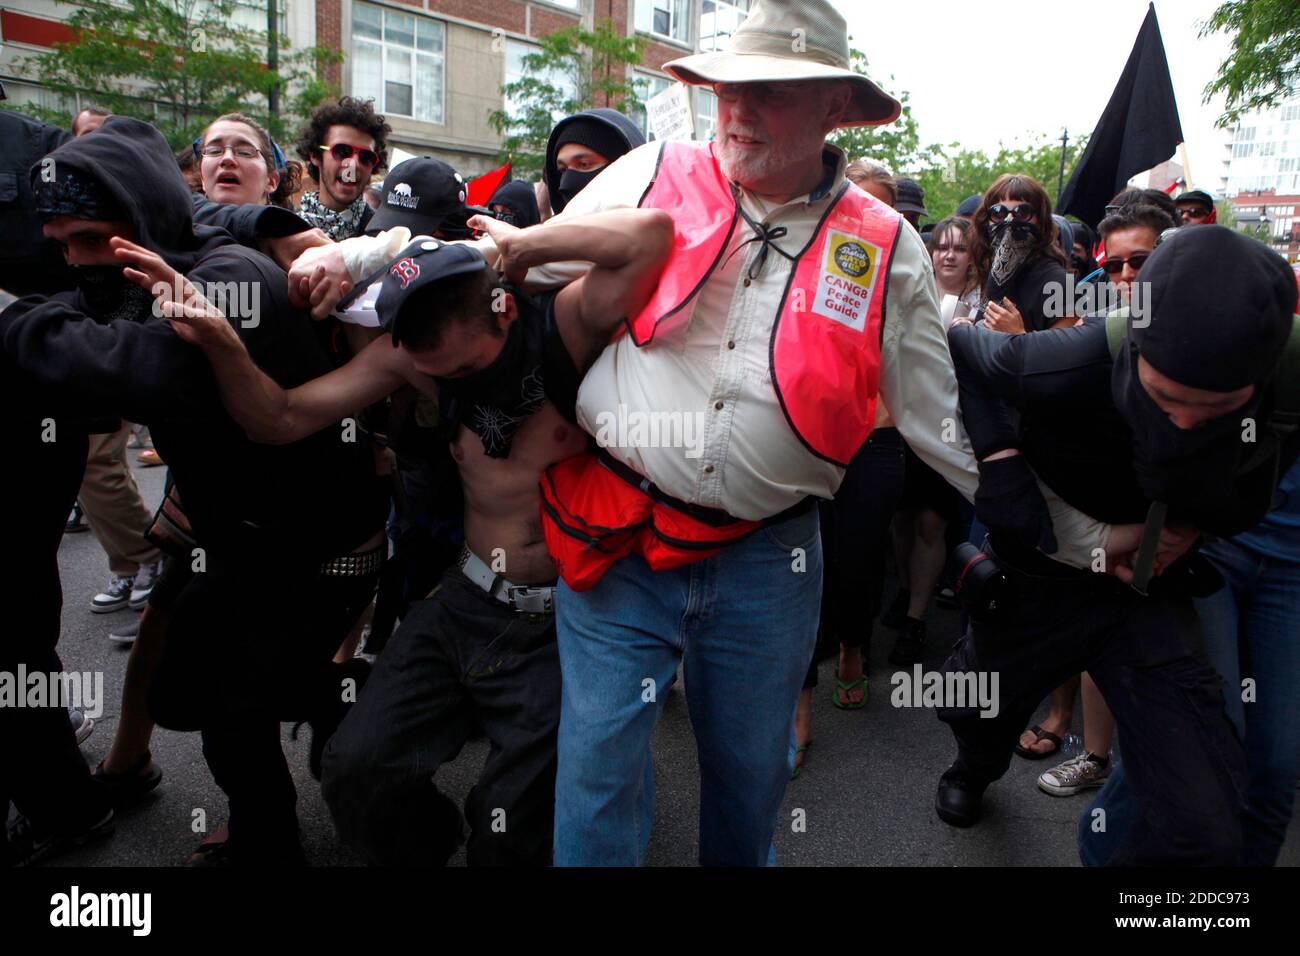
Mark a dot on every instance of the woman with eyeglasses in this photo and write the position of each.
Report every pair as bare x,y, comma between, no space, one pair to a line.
240,165
1020,267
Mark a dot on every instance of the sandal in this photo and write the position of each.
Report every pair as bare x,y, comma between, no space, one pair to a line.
799,764
124,789
1040,734
848,688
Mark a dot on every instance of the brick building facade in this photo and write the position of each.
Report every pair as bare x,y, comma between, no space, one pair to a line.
434,67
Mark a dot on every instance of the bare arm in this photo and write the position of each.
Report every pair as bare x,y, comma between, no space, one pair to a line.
627,249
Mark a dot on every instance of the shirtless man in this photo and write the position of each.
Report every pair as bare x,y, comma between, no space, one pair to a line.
480,650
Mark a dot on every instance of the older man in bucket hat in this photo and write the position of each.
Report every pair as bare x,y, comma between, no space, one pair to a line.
791,299
740,393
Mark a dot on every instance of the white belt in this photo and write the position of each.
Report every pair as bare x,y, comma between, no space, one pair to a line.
524,600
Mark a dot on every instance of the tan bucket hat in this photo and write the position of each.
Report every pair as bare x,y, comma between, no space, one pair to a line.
784,40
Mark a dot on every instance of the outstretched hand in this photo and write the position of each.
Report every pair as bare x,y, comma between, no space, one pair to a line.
193,317
504,236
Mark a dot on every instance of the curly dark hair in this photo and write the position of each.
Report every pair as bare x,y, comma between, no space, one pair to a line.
348,111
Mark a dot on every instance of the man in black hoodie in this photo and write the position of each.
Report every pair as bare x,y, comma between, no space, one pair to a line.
1182,414
580,146
288,535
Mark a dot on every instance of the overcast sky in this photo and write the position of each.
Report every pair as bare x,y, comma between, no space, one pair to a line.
975,77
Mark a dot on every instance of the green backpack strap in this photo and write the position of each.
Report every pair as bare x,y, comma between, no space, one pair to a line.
1116,329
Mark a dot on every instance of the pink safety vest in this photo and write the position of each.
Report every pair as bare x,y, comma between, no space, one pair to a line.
824,355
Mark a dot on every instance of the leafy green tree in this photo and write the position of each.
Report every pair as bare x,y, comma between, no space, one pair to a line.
177,64
896,145
1263,68
575,70
957,172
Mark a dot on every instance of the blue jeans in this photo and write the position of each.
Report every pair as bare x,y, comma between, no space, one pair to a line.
1252,629
743,623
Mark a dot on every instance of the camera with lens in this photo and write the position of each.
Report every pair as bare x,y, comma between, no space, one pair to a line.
981,587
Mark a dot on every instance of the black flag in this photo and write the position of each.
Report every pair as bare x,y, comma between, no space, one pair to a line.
1138,130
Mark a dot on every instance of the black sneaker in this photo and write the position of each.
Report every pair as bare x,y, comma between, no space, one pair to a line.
75,521
29,845
896,616
910,647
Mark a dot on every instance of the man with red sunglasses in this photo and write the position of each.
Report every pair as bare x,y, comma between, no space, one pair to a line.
342,144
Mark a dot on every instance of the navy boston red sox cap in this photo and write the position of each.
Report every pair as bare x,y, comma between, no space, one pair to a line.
418,266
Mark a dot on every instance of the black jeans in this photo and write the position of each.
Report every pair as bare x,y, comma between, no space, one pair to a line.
1181,753
855,532
460,659
249,645
41,768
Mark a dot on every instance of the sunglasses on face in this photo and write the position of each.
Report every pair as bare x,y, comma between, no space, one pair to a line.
1115,266
1192,212
998,212
343,151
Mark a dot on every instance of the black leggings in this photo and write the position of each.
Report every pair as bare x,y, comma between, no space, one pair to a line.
855,531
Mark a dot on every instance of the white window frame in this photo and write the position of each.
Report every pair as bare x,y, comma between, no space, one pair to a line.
414,52
706,120
730,5
568,82
679,16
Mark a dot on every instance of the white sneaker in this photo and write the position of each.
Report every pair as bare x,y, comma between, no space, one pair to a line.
82,725
1074,776
114,597
142,587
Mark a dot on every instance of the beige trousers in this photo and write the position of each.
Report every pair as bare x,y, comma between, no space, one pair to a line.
111,500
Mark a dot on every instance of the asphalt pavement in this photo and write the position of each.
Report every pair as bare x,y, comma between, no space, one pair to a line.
865,796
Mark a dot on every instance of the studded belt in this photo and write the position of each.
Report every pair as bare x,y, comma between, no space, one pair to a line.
359,565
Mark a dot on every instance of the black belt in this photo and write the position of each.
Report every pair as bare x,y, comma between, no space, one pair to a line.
356,565
713,517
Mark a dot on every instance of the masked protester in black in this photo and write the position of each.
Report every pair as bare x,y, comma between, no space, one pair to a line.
603,135
1112,435
284,533
516,204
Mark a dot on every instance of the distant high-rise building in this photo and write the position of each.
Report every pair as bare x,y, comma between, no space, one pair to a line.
1261,174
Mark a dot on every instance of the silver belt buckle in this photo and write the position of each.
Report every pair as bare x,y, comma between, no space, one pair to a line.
532,600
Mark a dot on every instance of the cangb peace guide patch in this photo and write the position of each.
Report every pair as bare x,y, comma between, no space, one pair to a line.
847,281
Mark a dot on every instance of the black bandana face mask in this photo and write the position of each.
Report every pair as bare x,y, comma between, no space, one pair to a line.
575,181
109,295
1012,244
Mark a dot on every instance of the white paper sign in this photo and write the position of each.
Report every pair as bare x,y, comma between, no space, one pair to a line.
670,113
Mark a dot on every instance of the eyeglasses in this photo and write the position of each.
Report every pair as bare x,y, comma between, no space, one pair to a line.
1115,266
1192,212
769,94
241,150
998,212
343,151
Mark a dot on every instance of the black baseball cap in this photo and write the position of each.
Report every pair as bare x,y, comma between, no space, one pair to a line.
421,264
911,197
1197,196
420,194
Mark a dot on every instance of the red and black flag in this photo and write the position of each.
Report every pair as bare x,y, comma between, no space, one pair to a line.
1138,130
